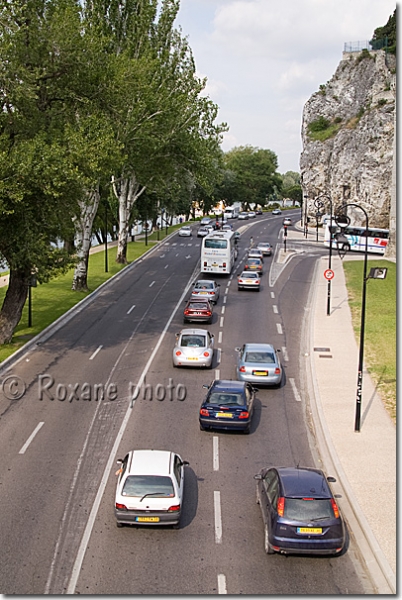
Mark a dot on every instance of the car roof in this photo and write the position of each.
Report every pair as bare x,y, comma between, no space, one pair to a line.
259,347
193,332
249,274
228,385
253,260
304,482
150,462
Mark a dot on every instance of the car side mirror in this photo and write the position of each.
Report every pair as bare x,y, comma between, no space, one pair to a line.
205,386
278,350
119,461
258,476
185,462
238,349
331,479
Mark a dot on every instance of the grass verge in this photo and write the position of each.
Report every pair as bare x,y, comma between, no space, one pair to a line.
380,325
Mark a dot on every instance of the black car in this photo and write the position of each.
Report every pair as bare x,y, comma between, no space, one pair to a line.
228,405
299,511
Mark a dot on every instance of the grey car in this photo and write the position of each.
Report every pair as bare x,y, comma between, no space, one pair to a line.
206,289
256,253
259,363
193,348
265,248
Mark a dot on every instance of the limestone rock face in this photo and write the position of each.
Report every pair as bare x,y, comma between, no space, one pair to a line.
356,163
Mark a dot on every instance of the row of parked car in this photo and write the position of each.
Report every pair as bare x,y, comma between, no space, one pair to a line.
299,511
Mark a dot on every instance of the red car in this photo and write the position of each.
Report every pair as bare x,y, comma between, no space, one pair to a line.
198,310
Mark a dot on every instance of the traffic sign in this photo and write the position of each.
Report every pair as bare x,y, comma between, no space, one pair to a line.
329,274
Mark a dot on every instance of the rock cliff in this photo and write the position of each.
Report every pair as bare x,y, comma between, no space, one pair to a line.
354,116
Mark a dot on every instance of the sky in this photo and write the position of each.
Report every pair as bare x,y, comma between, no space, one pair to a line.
263,59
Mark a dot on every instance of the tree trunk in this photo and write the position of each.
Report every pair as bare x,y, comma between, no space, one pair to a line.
83,233
11,311
127,191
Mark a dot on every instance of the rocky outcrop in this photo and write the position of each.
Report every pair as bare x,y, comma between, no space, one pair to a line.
355,163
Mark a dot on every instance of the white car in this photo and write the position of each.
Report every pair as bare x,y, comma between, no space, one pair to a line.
185,231
251,214
256,253
150,488
249,280
193,348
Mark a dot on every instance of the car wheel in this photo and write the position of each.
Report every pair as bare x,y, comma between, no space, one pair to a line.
267,546
247,430
119,524
176,526
202,428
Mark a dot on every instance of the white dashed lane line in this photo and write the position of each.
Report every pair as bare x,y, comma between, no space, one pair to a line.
294,388
215,452
222,584
131,309
279,328
99,348
31,437
218,517
275,309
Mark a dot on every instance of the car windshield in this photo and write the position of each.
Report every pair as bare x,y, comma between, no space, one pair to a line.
308,509
259,357
193,341
226,399
155,485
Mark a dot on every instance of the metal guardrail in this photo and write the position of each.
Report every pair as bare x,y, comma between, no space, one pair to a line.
366,45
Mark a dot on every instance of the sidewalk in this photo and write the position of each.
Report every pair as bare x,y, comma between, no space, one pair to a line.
364,463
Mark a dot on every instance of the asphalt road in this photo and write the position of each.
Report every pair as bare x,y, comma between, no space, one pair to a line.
57,489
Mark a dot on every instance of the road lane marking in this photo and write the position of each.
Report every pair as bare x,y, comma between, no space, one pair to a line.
215,452
166,266
152,283
275,309
285,353
131,309
96,352
224,301
222,584
217,373
219,356
223,310
31,437
294,388
221,323
218,517
272,294
279,328
220,337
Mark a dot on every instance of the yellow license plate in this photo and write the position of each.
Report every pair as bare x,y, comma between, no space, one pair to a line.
192,358
223,414
147,519
313,530
260,373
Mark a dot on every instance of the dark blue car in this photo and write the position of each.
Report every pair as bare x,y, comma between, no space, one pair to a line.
228,405
299,512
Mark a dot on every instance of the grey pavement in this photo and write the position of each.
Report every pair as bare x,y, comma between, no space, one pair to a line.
364,463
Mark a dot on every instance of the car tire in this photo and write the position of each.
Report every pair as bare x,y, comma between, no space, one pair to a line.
119,524
202,428
247,430
267,546
176,526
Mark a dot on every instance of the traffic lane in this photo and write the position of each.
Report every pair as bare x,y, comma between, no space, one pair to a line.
64,440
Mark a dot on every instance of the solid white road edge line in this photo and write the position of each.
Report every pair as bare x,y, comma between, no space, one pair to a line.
31,437
95,507
218,517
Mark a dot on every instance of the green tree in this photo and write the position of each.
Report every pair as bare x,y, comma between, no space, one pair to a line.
388,31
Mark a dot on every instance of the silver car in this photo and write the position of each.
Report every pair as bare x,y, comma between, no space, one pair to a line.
185,231
259,363
249,280
265,248
206,289
256,253
193,348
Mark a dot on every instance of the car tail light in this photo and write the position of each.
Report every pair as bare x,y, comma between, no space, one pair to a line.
205,263
186,312
178,353
242,369
174,508
224,265
280,507
277,371
204,412
244,414
121,506
257,281
206,354
194,292
335,508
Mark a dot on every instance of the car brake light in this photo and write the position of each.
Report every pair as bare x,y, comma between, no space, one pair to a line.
280,507
204,412
335,508
224,265
121,506
174,508
257,281
206,354
244,414
277,371
186,312
195,292
178,353
242,369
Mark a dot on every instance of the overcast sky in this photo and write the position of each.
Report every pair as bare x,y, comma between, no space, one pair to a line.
264,59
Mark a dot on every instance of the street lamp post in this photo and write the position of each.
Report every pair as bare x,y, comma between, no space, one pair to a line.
342,220
305,215
319,204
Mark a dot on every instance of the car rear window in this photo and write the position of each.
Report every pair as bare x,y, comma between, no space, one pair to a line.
193,341
204,286
198,305
259,357
308,509
226,399
156,485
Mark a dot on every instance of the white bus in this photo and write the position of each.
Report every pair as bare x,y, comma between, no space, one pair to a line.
376,243
231,212
218,252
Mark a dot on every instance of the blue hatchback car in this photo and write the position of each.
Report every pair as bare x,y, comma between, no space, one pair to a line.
299,512
228,405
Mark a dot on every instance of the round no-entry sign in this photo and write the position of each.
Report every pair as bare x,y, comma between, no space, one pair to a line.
329,274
